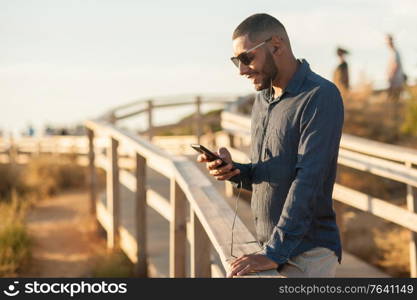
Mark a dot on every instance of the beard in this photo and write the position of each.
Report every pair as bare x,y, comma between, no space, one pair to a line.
268,73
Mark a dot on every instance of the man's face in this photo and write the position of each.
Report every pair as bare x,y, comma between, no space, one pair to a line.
262,68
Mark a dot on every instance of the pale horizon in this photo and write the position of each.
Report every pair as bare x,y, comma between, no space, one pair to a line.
63,62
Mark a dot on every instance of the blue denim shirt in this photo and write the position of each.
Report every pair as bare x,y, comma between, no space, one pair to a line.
295,143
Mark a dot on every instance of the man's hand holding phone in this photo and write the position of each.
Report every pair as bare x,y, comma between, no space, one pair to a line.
220,173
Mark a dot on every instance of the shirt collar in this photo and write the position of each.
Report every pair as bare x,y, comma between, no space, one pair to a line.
294,85
297,79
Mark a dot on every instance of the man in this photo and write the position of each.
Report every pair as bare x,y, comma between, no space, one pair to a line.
396,81
341,73
297,119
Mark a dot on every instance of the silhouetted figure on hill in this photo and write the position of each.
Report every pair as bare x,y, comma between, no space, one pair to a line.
396,80
341,73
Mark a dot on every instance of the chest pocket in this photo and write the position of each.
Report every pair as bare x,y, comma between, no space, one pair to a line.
282,134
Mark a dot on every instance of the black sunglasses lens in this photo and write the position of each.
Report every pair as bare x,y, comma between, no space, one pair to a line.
244,58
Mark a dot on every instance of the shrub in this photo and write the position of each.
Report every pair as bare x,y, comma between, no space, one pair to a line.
115,264
46,176
14,239
409,126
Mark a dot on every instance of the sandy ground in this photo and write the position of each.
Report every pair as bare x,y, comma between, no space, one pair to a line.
64,240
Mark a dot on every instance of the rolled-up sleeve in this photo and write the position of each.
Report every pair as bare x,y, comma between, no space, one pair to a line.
244,179
321,124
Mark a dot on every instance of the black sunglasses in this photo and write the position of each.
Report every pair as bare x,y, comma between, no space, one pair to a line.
244,58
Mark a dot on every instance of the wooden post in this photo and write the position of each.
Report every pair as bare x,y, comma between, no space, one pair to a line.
56,147
412,206
200,249
150,120
39,147
112,184
231,140
112,118
141,267
92,171
198,119
12,150
177,231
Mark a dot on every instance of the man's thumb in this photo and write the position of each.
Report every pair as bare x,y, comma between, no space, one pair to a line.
223,152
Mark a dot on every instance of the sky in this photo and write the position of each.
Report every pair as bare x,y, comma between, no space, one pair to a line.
62,62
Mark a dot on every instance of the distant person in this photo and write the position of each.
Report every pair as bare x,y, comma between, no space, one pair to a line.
341,74
396,80
395,74
63,131
31,131
49,130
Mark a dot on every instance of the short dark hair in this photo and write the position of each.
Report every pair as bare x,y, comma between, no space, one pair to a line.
257,26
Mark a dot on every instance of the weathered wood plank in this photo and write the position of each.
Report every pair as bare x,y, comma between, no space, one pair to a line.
387,169
141,267
374,148
150,120
177,228
412,207
92,172
200,249
375,206
112,188
131,114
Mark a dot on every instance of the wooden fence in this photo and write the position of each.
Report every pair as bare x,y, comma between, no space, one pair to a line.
388,161
197,213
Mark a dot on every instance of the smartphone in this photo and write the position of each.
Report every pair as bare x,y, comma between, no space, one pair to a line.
210,155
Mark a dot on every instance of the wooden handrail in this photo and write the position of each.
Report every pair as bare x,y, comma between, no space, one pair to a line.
209,211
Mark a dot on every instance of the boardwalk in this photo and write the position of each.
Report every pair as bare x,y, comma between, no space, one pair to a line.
190,205
64,239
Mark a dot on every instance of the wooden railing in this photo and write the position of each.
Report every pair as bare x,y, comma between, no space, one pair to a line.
148,108
197,213
20,150
388,161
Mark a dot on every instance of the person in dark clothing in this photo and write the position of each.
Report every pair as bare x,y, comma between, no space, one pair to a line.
297,120
341,73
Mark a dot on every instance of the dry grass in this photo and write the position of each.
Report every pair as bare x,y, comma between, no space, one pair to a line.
378,242
46,176
11,180
14,239
114,264
19,187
